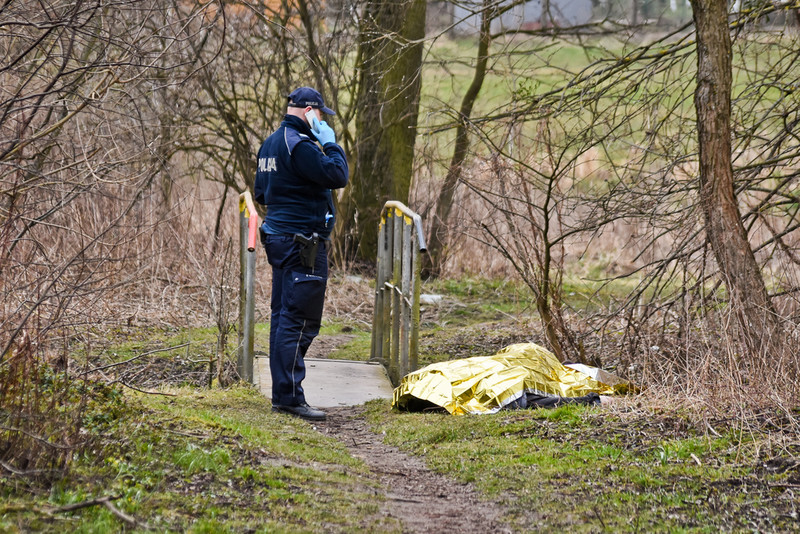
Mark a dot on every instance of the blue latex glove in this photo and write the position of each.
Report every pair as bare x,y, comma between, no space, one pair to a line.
323,132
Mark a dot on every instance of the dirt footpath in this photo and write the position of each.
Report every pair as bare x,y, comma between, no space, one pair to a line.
423,500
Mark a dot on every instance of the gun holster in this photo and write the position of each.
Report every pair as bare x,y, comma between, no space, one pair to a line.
308,249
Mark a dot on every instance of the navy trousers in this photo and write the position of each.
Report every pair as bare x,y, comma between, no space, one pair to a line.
298,295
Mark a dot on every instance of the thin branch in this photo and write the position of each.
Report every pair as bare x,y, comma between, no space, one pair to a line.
166,349
143,390
85,504
14,471
105,501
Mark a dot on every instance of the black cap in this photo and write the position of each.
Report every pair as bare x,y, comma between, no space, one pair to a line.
306,96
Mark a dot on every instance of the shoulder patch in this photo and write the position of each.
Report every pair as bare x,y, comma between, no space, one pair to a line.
292,138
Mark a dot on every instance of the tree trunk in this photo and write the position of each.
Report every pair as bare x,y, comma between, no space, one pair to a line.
546,20
724,229
390,52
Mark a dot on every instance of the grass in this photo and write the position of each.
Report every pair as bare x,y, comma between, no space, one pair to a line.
203,461
472,300
127,343
357,349
218,460
581,469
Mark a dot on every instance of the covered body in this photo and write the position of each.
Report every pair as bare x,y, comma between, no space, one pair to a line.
486,384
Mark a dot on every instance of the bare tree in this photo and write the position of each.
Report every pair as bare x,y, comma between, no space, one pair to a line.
490,13
79,162
628,115
266,50
527,200
444,203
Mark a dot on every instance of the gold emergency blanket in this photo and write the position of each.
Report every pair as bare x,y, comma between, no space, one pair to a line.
485,384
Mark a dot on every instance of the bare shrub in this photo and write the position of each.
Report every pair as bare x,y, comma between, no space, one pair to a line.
708,374
629,197
33,440
80,164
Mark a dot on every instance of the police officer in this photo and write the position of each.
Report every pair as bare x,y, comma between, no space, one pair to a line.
298,166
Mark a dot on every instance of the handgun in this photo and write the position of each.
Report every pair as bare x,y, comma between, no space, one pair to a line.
308,249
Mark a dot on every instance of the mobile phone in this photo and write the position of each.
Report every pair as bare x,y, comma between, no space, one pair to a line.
310,117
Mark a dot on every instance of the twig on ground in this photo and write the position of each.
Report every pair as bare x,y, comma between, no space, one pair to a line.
125,517
34,436
165,349
187,434
144,390
405,499
105,501
709,427
600,518
84,504
14,471
16,508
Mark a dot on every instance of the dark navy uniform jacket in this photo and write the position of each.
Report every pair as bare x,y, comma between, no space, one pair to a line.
294,179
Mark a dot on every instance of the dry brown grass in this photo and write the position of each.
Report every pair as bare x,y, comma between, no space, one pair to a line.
706,371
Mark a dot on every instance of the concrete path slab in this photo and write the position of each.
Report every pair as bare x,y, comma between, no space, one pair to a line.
332,383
